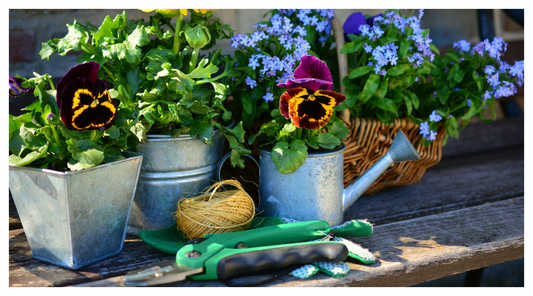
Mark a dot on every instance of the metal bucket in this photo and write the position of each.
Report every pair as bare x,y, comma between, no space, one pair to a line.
173,168
313,192
73,219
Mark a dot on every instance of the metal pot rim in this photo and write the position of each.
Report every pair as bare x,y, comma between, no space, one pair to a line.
316,154
129,156
161,137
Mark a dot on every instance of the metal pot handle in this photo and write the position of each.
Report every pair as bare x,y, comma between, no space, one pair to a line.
225,157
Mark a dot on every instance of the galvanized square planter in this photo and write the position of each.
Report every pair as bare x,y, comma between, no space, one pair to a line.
73,219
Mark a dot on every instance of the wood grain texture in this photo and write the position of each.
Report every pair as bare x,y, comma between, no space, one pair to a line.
466,213
421,249
451,184
434,246
28,272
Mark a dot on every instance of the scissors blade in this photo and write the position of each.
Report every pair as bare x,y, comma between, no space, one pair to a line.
164,272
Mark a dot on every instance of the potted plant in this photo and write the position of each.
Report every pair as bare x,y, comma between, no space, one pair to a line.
176,89
399,80
70,174
301,146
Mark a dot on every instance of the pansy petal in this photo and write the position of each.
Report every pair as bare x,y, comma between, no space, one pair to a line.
310,83
312,67
86,106
285,99
352,23
339,98
311,110
87,70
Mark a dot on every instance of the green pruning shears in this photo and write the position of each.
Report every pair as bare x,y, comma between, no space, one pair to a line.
223,255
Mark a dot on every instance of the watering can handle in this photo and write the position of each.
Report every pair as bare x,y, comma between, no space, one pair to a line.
225,157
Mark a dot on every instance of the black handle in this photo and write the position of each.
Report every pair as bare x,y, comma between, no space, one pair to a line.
280,257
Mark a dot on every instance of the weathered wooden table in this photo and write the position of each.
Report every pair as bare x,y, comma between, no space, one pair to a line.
466,213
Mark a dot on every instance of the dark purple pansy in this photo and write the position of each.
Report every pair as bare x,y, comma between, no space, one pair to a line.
15,87
312,73
83,100
352,23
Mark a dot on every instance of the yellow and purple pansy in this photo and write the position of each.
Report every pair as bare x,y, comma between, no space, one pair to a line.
310,99
83,99
309,109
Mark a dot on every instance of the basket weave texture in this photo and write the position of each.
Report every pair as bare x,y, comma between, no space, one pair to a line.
370,139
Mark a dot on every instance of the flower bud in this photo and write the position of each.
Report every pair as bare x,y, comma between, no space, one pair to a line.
197,36
50,117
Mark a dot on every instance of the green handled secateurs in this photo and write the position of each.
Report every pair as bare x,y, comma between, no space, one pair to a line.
223,255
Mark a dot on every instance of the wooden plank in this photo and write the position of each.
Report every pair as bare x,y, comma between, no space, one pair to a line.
485,136
28,272
421,249
451,184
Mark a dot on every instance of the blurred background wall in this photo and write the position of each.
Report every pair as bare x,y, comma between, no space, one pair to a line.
29,28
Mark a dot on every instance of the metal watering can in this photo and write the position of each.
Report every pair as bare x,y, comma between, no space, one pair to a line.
315,191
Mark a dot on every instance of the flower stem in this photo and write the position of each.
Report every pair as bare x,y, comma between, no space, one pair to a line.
194,58
177,39
56,137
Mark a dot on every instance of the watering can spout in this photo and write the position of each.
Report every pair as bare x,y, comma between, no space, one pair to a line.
401,150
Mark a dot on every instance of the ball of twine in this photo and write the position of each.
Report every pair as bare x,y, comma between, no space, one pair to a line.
215,212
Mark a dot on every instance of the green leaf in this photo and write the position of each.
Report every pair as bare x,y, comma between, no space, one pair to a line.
434,48
387,40
360,71
351,97
444,94
111,155
328,141
352,46
404,48
85,154
246,102
179,81
385,104
414,99
408,103
289,158
107,29
123,51
370,87
138,37
398,69
478,80
452,127
312,141
112,132
287,129
203,130
471,112
458,77
453,56
203,71
75,37
339,129
28,158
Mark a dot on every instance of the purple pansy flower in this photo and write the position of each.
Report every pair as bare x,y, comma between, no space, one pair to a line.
15,87
312,73
83,99
352,23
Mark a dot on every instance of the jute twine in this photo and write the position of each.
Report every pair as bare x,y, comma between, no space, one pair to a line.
215,212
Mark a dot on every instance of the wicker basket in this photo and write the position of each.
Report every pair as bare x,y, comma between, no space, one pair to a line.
370,139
